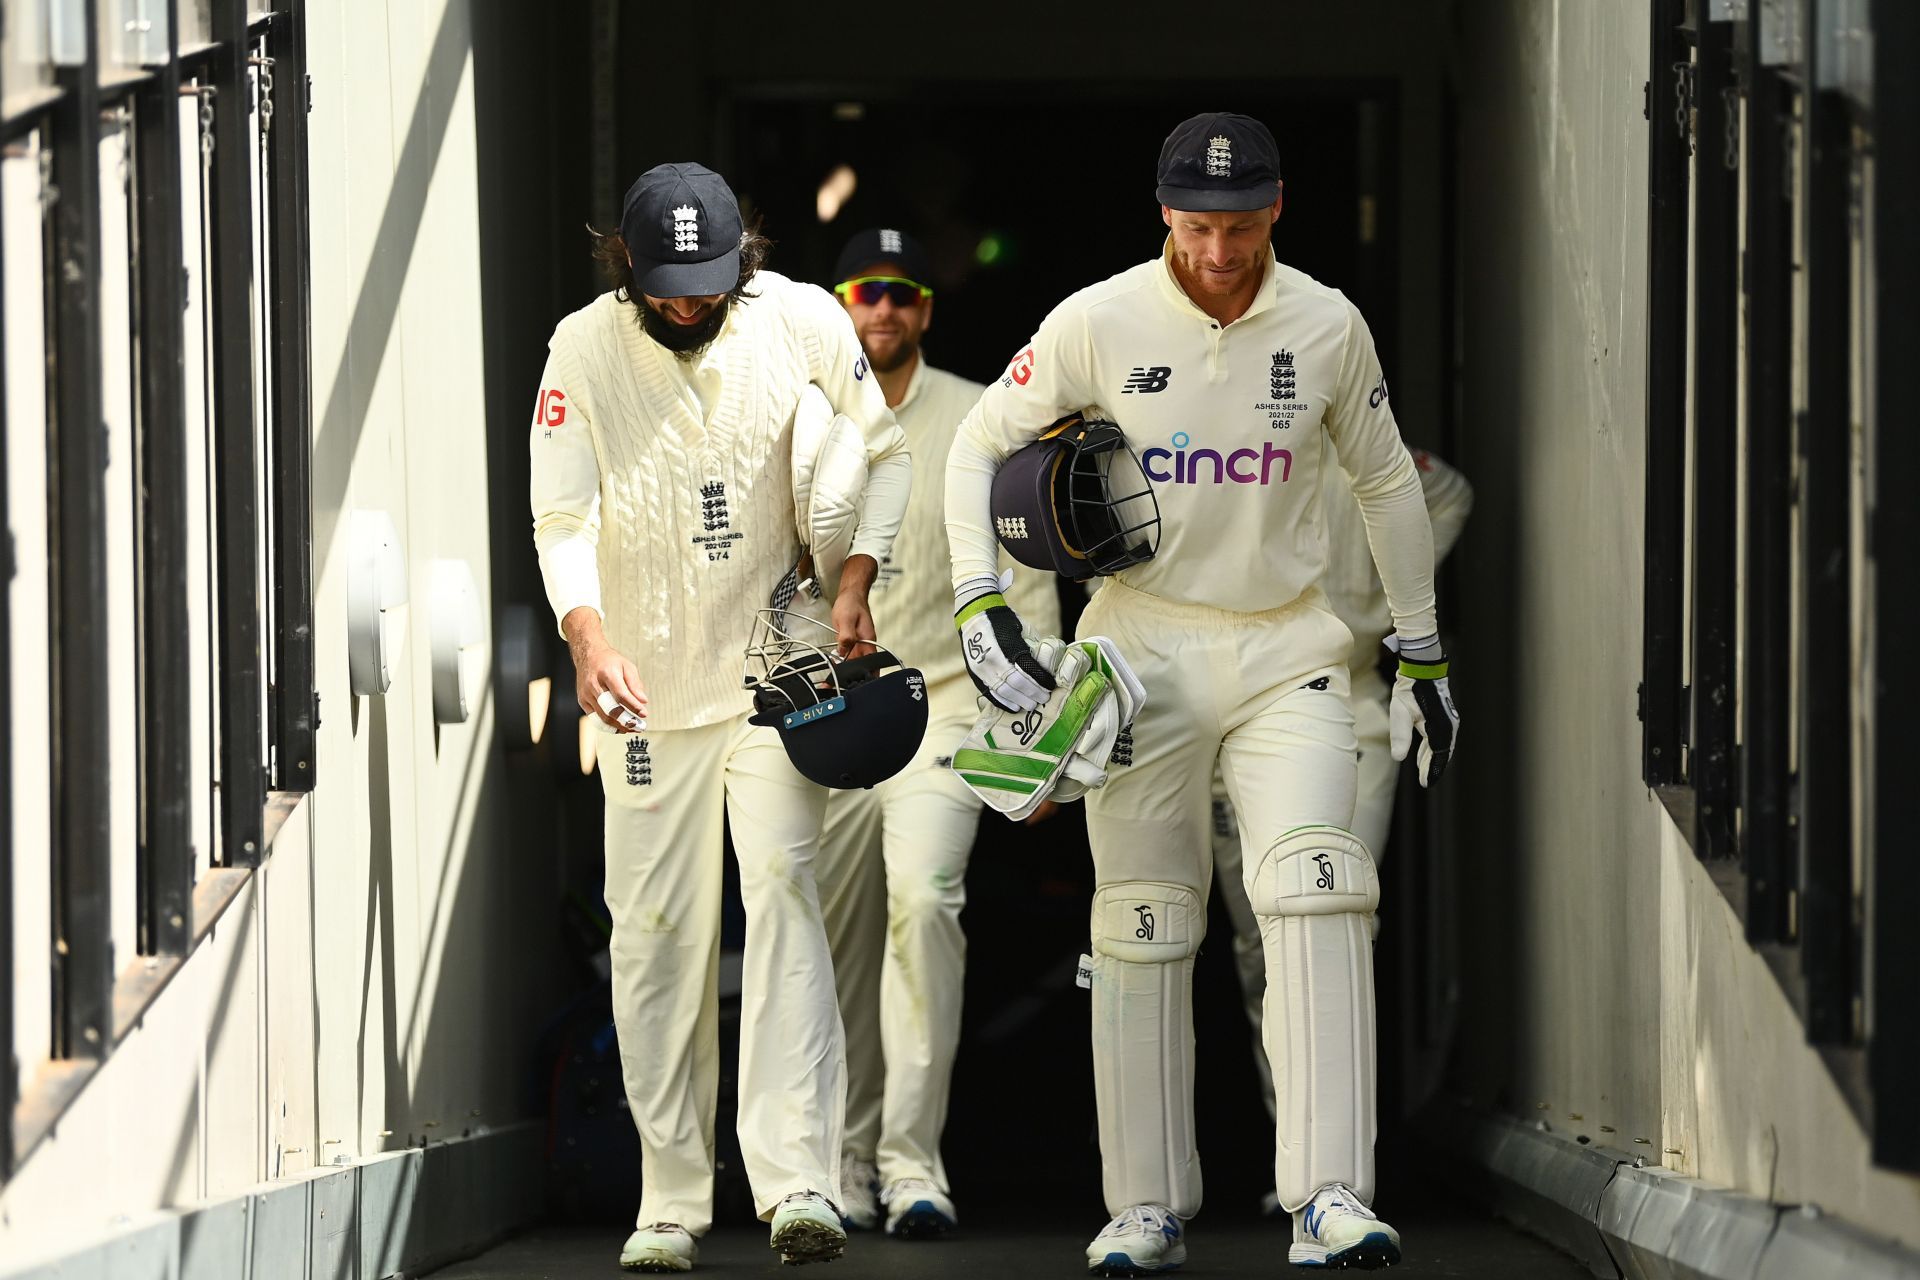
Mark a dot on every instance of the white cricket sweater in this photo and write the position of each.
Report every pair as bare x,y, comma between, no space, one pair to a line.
912,599
662,489
1232,425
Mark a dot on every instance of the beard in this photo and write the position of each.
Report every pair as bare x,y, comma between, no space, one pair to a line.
684,340
889,359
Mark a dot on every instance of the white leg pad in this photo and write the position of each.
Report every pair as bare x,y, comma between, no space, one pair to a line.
1315,892
1145,936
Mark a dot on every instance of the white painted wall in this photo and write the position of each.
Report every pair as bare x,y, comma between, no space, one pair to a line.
1611,984
367,990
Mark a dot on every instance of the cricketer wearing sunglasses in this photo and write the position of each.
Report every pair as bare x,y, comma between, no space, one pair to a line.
1237,380
893,860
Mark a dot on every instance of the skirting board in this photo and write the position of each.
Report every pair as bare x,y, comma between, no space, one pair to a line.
396,1214
1622,1217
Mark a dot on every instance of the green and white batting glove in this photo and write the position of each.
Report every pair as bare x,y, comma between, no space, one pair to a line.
999,656
1421,700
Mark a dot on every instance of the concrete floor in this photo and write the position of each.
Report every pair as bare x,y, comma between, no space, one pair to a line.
1440,1240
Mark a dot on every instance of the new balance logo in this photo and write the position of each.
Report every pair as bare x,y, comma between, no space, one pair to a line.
639,763
686,229
713,506
1148,380
1011,526
1319,682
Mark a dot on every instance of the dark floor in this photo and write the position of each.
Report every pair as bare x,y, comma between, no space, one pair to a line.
1439,1242
1020,1145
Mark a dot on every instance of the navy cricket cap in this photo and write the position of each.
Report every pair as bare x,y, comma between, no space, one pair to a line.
1218,160
870,248
682,228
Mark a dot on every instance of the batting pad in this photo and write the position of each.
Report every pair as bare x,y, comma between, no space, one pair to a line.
1314,892
1145,936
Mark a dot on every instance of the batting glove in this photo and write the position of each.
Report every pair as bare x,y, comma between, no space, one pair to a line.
999,659
1421,700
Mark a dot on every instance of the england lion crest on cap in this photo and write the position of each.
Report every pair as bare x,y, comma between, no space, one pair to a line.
686,229
1219,157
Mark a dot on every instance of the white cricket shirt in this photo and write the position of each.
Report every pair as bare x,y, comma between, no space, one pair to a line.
1232,424
912,599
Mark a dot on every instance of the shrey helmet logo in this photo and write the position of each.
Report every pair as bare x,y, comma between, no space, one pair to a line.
890,242
1219,157
686,229
1237,466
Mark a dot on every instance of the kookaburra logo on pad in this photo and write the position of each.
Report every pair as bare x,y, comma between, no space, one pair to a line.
686,229
1219,157
1145,931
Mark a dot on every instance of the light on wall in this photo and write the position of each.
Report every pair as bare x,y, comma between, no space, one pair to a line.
458,640
525,671
376,601
835,191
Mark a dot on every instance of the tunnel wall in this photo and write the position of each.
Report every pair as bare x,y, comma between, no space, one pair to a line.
379,982
1608,982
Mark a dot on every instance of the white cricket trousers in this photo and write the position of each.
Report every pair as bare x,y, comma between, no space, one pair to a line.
1372,822
892,875
665,798
1265,695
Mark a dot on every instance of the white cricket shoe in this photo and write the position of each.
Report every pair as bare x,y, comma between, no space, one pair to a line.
859,1193
1336,1230
806,1228
1142,1241
664,1246
917,1210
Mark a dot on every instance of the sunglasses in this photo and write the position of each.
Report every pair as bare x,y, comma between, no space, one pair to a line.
867,291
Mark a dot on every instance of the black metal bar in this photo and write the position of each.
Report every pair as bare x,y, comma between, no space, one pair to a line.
1663,701
9,1061
166,718
295,719
1716,317
1826,635
1767,680
1893,1041
82,918
243,788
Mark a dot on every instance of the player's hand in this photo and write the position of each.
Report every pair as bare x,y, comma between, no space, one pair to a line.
1045,810
999,659
605,682
852,618
1421,700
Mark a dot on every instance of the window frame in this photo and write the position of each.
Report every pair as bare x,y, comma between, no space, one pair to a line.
176,907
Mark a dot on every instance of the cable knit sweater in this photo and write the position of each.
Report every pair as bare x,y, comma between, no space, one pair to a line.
662,489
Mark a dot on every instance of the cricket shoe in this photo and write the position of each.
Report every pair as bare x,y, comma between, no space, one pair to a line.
806,1228
1144,1240
1336,1230
917,1210
664,1246
859,1199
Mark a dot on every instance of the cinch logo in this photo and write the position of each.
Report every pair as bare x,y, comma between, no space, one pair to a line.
1146,381
1238,466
